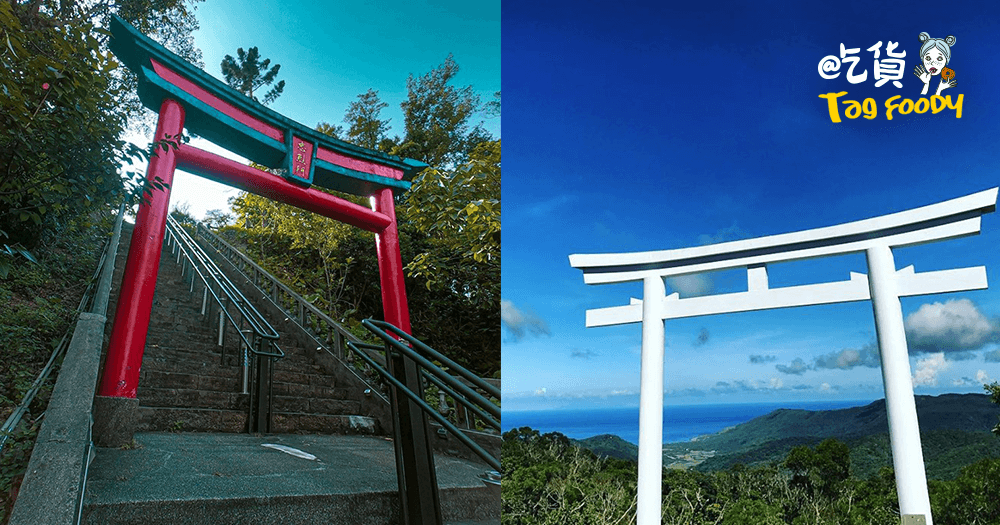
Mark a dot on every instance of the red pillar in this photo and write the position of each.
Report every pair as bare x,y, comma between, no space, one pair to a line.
128,334
390,265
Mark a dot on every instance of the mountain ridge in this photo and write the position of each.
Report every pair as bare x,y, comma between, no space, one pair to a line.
952,426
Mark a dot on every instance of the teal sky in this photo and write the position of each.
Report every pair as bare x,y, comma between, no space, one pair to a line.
330,52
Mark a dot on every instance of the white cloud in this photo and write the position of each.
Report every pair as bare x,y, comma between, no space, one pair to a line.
797,367
849,358
825,387
928,369
541,391
983,377
691,285
953,326
521,323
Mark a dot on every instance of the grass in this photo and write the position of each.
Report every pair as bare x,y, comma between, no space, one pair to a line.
37,306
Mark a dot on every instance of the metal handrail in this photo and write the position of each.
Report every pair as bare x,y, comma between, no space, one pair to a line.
330,335
374,326
255,318
260,391
305,314
229,291
462,394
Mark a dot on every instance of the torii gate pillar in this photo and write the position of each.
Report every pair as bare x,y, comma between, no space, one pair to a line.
651,403
900,406
116,397
128,336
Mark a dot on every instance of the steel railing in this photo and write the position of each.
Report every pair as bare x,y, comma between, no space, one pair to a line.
332,337
329,335
259,350
482,406
403,371
411,365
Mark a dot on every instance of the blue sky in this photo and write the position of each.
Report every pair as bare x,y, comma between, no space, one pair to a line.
652,126
330,52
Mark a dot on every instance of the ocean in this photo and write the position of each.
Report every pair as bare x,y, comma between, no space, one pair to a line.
680,423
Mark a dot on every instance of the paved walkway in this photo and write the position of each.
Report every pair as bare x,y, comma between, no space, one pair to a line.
190,477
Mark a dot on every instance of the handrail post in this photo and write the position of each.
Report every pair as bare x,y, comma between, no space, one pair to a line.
246,361
260,402
417,479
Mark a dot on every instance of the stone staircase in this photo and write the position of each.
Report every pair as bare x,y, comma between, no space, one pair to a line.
193,462
185,385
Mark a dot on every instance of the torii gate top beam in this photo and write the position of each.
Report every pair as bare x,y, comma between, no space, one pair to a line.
945,220
230,119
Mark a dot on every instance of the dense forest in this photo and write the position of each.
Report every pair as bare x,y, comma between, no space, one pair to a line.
548,479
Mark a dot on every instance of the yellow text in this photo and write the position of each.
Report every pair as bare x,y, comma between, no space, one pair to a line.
854,109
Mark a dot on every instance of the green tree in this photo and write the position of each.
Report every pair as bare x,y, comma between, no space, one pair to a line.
332,130
994,391
62,116
366,128
971,499
437,118
459,210
247,73
824,468
218,218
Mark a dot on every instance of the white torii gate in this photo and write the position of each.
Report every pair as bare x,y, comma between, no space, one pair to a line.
884,285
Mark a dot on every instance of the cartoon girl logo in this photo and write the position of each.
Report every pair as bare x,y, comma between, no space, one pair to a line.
935,53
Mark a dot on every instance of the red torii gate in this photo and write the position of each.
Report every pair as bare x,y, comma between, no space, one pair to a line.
187,96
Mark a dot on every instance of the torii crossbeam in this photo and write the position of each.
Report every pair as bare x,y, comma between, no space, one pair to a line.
884,285
186,96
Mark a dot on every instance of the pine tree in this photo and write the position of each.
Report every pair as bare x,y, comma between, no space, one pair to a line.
248,73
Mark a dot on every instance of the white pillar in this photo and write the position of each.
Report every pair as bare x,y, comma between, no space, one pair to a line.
651,403
901,409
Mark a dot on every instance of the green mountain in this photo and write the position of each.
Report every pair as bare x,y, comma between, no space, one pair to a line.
955,431
610,446
966,412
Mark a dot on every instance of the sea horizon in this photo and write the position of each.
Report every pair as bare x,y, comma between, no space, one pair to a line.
681,423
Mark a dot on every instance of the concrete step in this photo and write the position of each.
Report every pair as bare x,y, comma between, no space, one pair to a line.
206,364
174,419
308,391
189,398
316,406
230,478
200,419
160,379
300,423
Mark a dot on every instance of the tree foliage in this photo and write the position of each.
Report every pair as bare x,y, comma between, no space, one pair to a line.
548,480
437,117
63,110
247,73
459,211
366,128
449,226
994,391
